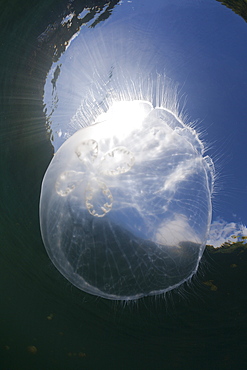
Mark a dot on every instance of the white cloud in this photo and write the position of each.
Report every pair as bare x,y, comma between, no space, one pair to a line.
175,230
222,231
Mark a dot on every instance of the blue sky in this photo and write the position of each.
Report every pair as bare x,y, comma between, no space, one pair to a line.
198,45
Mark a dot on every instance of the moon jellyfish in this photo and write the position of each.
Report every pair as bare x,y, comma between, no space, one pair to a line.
125,204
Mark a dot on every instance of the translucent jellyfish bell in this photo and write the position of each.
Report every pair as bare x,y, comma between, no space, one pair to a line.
125,203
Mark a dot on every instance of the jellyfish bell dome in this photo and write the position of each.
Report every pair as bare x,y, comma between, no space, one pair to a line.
125,203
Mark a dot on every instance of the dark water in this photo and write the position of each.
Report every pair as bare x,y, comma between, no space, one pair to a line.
45,323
